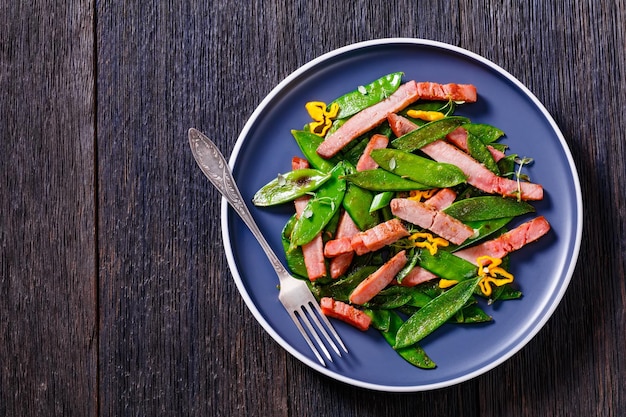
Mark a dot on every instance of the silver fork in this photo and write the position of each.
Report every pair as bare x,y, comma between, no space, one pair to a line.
294,294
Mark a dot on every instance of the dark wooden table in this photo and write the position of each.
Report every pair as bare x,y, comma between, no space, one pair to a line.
115,294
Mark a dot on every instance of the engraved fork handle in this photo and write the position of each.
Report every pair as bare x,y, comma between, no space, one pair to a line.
214,166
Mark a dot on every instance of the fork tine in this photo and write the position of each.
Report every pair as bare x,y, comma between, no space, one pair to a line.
312,312
303,316
332,331
308,340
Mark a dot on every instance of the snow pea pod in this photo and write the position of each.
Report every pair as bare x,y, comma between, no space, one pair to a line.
447,265
367,95
308,143
357,202
289,186
320,209
486,133
430,317
487,208
380,180
414,258
479,151
428,133
380,318
419,169
294,258
415,354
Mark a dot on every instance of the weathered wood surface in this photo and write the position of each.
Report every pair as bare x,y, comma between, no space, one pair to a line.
115,295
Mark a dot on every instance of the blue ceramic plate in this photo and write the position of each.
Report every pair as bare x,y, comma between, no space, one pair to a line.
542,270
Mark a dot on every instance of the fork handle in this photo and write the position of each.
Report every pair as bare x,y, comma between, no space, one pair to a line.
214,166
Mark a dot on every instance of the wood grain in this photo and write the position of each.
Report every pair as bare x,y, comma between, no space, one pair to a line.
115,295
48,305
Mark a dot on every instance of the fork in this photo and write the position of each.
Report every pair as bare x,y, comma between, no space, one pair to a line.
294,294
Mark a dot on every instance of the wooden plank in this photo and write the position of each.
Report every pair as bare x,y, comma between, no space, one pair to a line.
48,315
572,56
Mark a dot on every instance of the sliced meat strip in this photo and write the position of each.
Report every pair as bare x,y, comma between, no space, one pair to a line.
345,229
379,236
376,282
429,218
365,161
367,119
507,242
443,199
345,312
479,176
457,92
416,276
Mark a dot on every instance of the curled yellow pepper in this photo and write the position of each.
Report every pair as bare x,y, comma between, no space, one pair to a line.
489,268
322,117
428,116
431,243
418,195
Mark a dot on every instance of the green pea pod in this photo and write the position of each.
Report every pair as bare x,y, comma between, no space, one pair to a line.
487,208
357,202
289,186
447,265
408,267
380,180
419,169
486,133
381,200
380,318
415,354
320,209
434,314
473,314
479,151
367,95
308,143
414,296
428,133
294,258
388,301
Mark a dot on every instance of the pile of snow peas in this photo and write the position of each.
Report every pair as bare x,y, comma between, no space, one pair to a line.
404,315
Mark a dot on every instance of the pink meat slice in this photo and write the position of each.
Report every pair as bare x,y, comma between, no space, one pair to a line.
365,161
416,276
457,92
377,281
379,236
443,199
313,252
368,119
345,229
429,218
507,242
479,176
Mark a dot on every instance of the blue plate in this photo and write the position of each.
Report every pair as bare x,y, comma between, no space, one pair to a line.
542,270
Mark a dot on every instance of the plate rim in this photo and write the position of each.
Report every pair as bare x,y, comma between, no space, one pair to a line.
557,296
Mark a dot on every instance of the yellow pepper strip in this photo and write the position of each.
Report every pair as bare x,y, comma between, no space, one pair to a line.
447,283
431,243
418,195
489,269
428,116
323,118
